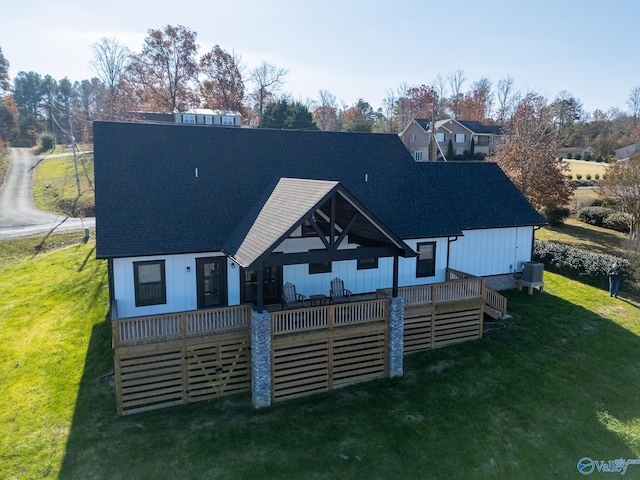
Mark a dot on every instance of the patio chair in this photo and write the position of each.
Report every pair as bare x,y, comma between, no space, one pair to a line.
338,293
291,298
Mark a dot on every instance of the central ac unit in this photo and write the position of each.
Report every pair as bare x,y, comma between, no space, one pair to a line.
532,272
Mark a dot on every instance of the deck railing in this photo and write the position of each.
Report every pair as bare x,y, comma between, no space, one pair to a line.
495,300
328,316
175,326
439,292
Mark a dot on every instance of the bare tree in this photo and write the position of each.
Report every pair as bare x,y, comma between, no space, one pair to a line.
634,103
440,87
455,79
109,61
268,80
325,114
507,99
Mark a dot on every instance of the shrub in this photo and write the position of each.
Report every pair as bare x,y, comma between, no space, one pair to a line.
588,176
47,141
578,156
555,215
576,263
594,215
621,222
597,176
568,176
578,176
587,157
568,156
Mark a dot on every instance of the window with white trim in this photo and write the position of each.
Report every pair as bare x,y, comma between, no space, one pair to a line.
208,120
188,118
418,156
439,137
412,138
460,137
228,121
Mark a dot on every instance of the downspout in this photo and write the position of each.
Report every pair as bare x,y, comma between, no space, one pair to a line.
449,242
533,238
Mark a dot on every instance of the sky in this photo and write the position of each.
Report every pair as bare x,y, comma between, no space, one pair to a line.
357,49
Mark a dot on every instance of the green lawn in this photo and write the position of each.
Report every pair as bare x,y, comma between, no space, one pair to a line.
558,382
55,188
587,237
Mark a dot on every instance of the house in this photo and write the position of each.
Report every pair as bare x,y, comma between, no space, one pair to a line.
578,153
205,116
460,133
627,152
197,116
202,231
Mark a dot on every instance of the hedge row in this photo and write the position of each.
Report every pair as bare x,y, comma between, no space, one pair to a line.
605,217
582,265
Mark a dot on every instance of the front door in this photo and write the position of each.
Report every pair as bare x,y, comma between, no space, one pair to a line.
211,274
272,285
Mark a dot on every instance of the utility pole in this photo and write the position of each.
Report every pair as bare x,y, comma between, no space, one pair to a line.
73,146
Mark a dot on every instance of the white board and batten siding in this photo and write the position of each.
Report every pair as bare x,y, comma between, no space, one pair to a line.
181,284
493,251
361,281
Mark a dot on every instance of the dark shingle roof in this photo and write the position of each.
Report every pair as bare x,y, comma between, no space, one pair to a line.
477,127
173,188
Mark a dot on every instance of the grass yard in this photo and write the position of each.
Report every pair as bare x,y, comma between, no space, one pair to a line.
557,383
55,188
582,235
584,168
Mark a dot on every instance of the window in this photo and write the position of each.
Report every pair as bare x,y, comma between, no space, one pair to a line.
439,137
460,137
322,267
412,138
228,121
208,120
426,261
475,139
150,284
367,263
418,156
191,119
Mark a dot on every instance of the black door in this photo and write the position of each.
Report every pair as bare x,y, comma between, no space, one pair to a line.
272,285
211,275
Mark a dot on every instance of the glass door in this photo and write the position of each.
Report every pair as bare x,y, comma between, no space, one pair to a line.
211,274
272,285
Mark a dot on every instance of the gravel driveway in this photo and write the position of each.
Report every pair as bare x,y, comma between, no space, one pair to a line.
18,215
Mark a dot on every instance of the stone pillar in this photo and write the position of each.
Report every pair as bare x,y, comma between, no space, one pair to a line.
396,336
261,359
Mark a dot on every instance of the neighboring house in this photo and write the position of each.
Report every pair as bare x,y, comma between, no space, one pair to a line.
204,116
626,152
197,116
417,138
202,231
573,152
196,195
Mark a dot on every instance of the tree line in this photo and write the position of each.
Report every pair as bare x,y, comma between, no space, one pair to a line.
170,74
